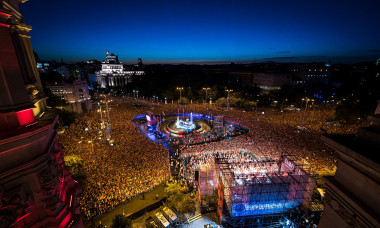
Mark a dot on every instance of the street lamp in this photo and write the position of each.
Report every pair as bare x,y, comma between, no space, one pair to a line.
228,97
304,114
180,96
206,95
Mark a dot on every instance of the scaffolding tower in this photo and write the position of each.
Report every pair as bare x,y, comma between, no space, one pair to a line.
261,199
207,186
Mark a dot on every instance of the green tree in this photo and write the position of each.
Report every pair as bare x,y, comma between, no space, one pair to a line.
222,101
185,100
186,205
75,165
120,221
179,199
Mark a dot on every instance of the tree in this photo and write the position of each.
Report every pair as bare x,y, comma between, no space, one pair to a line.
179,199
222,101
186,205
75,165
120,221
172,189
185,100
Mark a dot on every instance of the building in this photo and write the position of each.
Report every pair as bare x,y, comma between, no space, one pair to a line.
44,67
271,81
352,196
75,93
241,78
63,69
113,73
36,190
310,74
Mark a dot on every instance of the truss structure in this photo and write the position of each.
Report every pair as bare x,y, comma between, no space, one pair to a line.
258,195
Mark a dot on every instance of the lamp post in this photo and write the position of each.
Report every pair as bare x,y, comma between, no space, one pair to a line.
180,96
312,105
207,88
304,114
228,97
302,102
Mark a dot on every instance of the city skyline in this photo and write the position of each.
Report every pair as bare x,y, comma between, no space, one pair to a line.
201,32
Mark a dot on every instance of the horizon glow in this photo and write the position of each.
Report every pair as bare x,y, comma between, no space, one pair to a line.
211,31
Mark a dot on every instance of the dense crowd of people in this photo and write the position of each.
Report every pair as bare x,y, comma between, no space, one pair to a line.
115,174
135,164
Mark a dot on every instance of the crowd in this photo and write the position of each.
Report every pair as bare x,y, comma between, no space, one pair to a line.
274,133
135,164
115,174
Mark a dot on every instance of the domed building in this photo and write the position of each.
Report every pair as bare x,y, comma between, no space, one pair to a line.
113,73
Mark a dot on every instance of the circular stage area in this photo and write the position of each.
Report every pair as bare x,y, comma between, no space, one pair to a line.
179,126
187,128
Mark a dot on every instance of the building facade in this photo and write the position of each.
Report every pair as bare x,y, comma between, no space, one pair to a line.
76,94
271,81
36,190
113,73
352,196
310,74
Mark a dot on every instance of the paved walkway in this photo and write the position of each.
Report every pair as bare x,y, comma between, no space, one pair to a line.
131,207
199,222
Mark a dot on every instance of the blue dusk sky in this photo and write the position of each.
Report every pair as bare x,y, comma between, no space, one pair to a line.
200,31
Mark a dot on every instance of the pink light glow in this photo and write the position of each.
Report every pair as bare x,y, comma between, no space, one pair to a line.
5,14
65,221
21,218
25,117
25,145
5,25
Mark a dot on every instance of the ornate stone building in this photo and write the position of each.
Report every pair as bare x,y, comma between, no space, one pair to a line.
353,195
113,73
35,188
75,93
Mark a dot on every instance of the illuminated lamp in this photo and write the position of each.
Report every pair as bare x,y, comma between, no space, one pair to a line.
25,117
